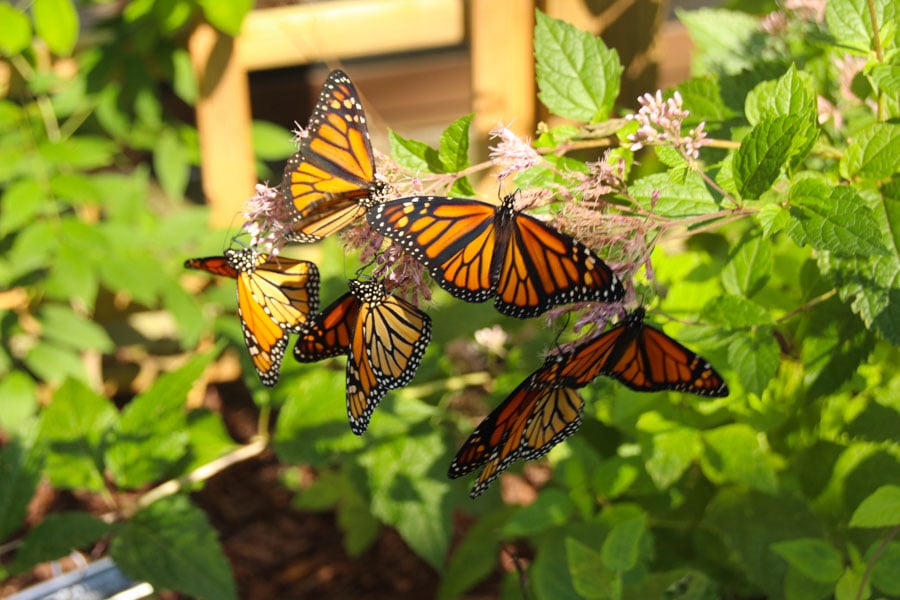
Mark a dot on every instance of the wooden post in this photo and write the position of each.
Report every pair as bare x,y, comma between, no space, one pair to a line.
503,86
223,124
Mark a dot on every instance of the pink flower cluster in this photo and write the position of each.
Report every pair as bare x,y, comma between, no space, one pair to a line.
660,123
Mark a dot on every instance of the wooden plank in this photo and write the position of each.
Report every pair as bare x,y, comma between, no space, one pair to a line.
502,66
223,124
319,31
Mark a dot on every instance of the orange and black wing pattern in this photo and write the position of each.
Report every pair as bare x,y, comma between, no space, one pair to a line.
453,238
330,181
476,250
643,358
275,296
540,267
384,338
533,419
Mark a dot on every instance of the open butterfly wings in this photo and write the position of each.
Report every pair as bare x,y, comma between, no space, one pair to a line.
384,337
546,408
274,296
476,250
330,181
643,358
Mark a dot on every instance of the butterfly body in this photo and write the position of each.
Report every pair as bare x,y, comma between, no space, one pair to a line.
476,251
331,181
275,296
384,338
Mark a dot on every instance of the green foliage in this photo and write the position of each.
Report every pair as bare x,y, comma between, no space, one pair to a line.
775,255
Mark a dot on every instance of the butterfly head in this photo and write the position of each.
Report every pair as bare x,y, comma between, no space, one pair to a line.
367,290
242,259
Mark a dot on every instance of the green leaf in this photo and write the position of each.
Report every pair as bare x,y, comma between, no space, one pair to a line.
834,219
271,141
475,557
873,152
853,584
748,268
814,558
589,577
880,509
72,429
56,536
773,218
20,472
171,545
82,152
18,392
690,198
734,312
207,437
621,548
746,524
62,324
311,431
577,75
170,161
52,363
703,98
723,40
407,495
151,436
184,80
550,509
669,453
792,94
873,283
23,201
756,356
734,453
226,16
886,570
886,78
763,153
850,23
15,31
454,145
56,22
413,154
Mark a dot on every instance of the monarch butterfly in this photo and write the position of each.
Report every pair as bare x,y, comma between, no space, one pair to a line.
643,358
475,250
536,416
274,296
331,181
383,336
546,408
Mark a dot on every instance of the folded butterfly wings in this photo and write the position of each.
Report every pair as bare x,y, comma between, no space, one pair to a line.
384,337
330,182
275,296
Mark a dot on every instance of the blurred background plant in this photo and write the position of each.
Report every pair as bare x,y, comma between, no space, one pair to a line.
773,249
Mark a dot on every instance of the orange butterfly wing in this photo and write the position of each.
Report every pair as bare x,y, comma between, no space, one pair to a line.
453,238
641,357
541,268
331,181
533,419
274,296
384,337
475,250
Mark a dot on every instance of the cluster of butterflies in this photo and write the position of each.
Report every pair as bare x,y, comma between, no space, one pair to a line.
472,249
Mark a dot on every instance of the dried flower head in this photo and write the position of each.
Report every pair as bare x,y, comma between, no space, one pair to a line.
268,216
512,152
493,339
807,10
